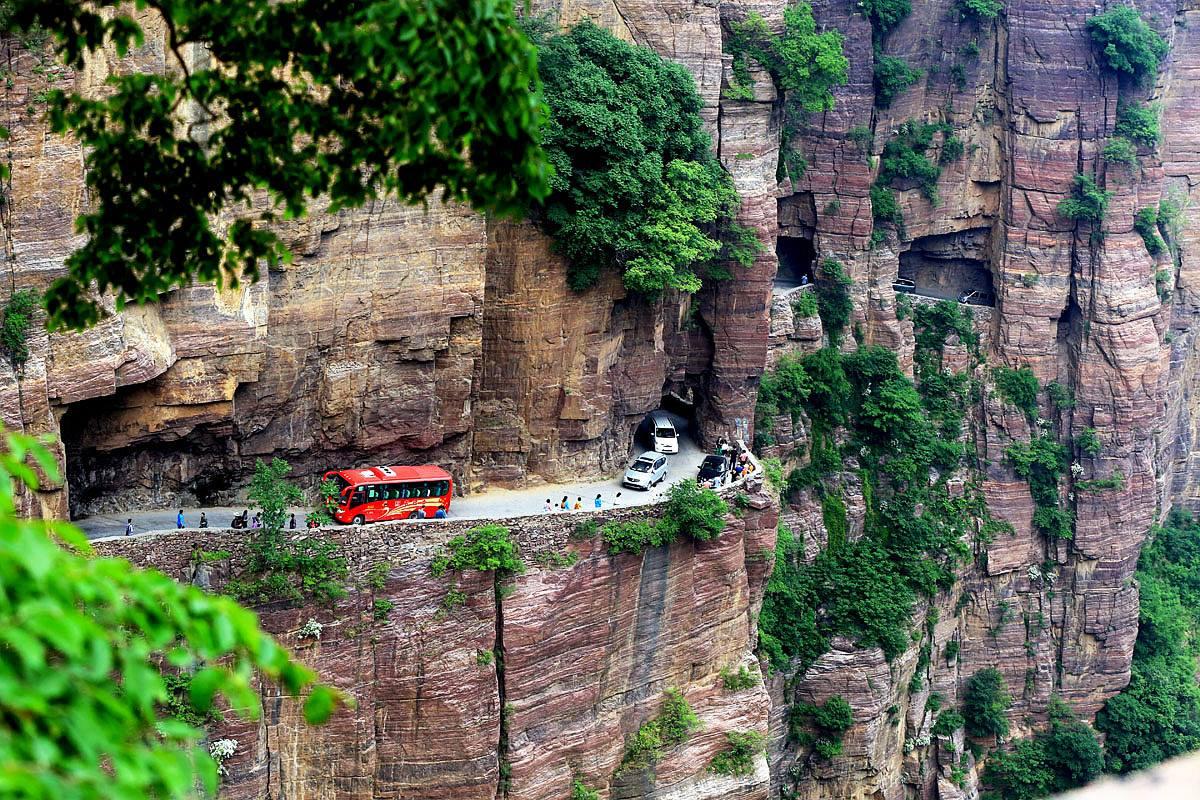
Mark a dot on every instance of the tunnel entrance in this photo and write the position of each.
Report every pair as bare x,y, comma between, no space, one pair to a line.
796,257
951,267
123,453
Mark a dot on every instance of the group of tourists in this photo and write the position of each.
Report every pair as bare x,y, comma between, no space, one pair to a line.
566,505
242,521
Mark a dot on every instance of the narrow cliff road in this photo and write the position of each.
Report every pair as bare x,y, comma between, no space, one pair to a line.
491,504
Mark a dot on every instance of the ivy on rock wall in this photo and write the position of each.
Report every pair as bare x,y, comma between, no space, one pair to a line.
901,443
1157,716
636,187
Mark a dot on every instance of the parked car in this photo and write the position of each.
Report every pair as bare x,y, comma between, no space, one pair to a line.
713,468
646,471
904,286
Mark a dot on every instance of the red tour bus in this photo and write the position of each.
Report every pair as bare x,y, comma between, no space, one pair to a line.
385,493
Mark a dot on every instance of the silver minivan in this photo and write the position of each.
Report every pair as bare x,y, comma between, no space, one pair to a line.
646,471
663,434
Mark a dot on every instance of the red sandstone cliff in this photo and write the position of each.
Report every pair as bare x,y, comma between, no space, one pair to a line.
478,357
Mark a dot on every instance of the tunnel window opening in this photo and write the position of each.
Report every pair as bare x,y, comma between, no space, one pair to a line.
952,267
796,260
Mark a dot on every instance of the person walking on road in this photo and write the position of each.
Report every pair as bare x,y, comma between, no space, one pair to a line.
616,500
578,503
565,504
599,502
129,527
292,522
179,520
203,520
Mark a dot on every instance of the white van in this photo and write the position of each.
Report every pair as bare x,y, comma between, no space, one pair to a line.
663,434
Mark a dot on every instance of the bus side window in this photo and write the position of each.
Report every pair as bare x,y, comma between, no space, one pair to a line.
428,489
443,488
403,492
372,493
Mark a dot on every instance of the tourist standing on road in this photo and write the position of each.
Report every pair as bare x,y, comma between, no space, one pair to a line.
440,513
203,520
599,502
578,503
129,527
179,519
565,505
617,500
245,519
292,522
549,507
256,522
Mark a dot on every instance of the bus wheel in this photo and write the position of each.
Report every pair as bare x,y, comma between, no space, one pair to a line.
359,520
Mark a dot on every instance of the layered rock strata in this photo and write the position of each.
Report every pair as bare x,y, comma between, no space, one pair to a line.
587,651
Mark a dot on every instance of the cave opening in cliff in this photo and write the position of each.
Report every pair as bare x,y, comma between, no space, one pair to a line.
796,257
951,267
121,454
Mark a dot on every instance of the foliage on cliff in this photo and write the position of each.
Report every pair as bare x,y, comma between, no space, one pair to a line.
985,703
78,639
1126,43
905,441
635,187
1056,760
487,548
1157,716
690,511
803,63
672,726
347,106
14,326
281,565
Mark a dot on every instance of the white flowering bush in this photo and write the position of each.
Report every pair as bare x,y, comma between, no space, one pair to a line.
1076,469
311,629
222,749
913,742
1035,573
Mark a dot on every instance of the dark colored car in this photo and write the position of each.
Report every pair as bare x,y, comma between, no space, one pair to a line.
713,467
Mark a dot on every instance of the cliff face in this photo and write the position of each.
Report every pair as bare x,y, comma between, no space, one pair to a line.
433,335
586,650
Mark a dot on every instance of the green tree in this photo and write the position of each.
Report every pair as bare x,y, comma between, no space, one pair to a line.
636,187
892,76
885,14
979,10
1018,387
79,638
1138,122
1087,203
487,548
272,493
804,64
985,703
347,101
1157,716
693,511
1126,42
1063,758
279,566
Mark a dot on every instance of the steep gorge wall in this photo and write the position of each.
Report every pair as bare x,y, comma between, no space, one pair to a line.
483,360
397,335
587,651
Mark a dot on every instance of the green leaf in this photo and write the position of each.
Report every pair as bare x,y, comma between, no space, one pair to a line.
319,705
